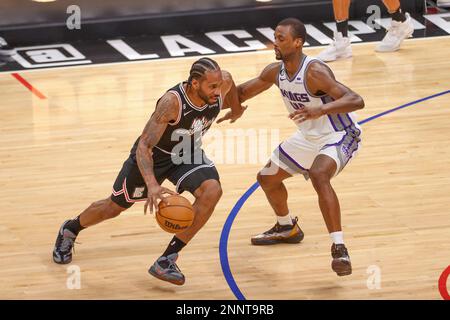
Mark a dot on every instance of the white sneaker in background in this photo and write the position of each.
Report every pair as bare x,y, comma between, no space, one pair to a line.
340,48
443,3
397,32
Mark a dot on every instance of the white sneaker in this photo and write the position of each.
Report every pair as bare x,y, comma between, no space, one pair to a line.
340,48
398,32
443,3
5,49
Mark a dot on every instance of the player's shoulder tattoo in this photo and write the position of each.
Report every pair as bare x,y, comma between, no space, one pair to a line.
167,109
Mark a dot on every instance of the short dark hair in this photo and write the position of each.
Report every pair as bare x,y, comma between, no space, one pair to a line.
200,66
297,27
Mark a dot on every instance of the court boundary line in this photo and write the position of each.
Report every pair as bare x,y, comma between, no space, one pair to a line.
224,236
29,86
230,54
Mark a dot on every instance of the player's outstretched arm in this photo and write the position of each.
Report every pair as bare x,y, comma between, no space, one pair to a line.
231,99
166,111
264,81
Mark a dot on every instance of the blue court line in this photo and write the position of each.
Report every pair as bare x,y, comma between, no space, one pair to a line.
229,222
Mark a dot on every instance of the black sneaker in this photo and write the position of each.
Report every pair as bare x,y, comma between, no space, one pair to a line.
280,234
341,260
6,49
62,253
166,269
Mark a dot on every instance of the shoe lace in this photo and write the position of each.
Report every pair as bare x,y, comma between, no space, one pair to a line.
173,266
275,228
2,42
68,244
393,31
339,251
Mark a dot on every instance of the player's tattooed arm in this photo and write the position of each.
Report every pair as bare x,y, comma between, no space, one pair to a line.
231,99
167,110
264,81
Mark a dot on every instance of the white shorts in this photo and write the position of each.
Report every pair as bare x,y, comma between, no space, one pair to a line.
296,154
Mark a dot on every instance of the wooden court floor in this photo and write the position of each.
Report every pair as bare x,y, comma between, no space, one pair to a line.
60,154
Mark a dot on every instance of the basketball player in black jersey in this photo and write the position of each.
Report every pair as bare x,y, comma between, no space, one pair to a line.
168,148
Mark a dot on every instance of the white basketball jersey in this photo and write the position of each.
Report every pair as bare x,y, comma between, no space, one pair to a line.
296,96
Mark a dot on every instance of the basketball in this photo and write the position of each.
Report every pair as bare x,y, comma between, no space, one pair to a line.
175,216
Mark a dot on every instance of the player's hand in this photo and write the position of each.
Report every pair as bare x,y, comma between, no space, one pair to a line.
306,113
155,192
232,116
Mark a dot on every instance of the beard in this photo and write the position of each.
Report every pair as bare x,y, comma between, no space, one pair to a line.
206,98
278,55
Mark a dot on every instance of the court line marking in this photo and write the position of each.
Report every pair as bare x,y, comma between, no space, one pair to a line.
229,54
28,85
223,243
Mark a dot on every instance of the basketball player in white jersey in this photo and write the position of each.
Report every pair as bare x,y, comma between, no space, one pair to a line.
327,137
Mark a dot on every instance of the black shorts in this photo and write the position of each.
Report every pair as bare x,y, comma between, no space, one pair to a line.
130,186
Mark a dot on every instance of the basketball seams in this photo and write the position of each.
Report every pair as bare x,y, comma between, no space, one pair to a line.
175,206
170,219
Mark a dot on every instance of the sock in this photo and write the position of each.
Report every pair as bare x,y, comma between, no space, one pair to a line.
337,237
342,27
174,246
398,15
75,226
285,220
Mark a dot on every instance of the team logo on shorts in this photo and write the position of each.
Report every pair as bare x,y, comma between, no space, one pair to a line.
345,150
138,192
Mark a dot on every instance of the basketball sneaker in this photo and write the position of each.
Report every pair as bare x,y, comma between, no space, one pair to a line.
341,260
6,49
443,3
166,269
397,32
280,234
340,48
62,253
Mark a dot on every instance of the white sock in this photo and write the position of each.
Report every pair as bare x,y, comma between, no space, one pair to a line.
337,237
285,220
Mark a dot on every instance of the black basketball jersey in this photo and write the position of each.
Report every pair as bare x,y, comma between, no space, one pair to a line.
192,123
